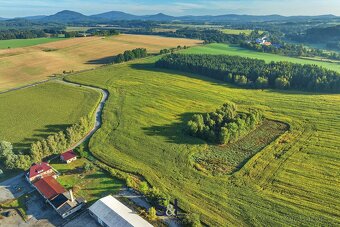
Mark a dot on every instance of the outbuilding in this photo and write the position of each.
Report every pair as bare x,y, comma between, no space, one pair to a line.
108,211
68,156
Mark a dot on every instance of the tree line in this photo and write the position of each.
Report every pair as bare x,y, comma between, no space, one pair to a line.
53,144
129,55
255,73
225,125
21,34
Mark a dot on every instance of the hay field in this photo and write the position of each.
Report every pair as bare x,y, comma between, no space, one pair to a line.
22,66
294,181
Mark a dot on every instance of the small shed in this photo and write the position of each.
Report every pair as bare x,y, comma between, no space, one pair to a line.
108,211
68,156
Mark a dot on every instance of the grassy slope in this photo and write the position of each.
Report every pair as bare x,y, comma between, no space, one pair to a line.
33,113
142,132
14,43
234,50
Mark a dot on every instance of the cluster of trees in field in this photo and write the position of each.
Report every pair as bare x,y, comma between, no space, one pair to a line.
172,50
254,73
53,144
129,55
225,125
103,32
21,34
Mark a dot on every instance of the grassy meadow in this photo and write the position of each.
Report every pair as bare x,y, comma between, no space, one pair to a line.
217,48
85,183
20,66
15,43
292,181
236,31
34,113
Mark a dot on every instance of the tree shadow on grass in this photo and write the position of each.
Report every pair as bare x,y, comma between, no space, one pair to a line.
152,67
40,134
101,61
174,132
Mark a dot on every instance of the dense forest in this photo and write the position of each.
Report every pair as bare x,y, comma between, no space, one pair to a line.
225,125
254,73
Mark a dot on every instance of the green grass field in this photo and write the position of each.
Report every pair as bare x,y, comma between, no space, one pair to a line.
15,43
236,31
34,113
85,184
216,48
293,181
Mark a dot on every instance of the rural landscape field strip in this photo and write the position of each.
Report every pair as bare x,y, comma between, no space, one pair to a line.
217,48
15,43
21,66
144,134
41,110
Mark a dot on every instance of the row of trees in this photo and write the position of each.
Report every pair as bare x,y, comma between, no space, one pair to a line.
130,55
225,125
254,73
53,144
21,34
172,50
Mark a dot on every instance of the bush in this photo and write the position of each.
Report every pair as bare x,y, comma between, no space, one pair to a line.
152,214
192,220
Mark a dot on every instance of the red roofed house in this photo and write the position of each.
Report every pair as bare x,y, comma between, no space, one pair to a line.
40,170
49,187
68,156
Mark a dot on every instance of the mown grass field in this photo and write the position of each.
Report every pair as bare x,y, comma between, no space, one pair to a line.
91,185
236,31
34,113
15,43
238,51
21,66
293,181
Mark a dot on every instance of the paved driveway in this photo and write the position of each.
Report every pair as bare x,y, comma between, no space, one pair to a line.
14,188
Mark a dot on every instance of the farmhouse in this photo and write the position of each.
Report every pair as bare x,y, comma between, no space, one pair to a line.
68,156
40,170
43,178
108,211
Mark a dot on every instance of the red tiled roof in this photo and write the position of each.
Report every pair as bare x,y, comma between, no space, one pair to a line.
49,187
39,168
68,155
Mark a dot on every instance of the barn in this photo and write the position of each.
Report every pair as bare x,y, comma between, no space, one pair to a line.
108,211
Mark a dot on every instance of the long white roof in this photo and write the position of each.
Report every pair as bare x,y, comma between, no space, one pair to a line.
115,214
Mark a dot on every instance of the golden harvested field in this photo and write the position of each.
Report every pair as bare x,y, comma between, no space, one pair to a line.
22,66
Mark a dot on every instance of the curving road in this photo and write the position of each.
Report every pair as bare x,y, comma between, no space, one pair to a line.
98,111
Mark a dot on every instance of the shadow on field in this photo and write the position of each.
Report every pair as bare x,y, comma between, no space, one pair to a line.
174,132
101,61
40,134
151,67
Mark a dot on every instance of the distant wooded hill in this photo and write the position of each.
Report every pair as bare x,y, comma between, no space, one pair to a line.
67,16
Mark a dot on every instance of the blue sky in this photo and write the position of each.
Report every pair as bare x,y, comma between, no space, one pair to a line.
16,8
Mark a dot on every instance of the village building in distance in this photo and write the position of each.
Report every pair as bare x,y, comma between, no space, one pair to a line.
108,211
68,156
43,178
